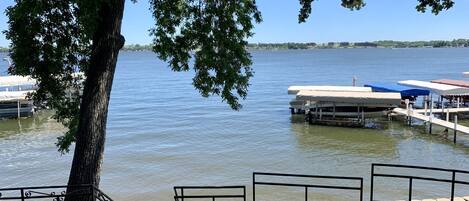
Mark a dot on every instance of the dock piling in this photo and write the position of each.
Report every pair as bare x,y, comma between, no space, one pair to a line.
455,128
425,105
19,107
447,114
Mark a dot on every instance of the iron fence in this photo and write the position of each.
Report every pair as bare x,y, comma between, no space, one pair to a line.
181,194
411,178
358,187
55,193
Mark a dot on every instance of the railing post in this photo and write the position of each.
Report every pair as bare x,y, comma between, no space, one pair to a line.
361,189
22,194
452,185
253,186
306,193
455,128
244,193
213,198
372,178
410,189
93,193
182,194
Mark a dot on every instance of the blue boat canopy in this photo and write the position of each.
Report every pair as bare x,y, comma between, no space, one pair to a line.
394,87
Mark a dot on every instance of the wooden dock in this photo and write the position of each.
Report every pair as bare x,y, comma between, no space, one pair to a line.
445,110
432,120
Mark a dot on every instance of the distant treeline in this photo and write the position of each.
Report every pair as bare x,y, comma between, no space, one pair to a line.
271,46
374,44
137,47
311,45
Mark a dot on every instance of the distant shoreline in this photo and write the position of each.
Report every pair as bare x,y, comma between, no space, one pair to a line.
457,43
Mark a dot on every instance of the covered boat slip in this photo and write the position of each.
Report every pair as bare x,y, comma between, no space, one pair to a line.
436,88
452,90
357,98
15,104
15,80
14,101
345,108
406,92
13,95
460,83
295,89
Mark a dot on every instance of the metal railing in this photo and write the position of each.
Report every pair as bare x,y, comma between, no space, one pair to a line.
307,186
180,194
411,178
57,193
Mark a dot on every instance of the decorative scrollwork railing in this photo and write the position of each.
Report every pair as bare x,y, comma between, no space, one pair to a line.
54,193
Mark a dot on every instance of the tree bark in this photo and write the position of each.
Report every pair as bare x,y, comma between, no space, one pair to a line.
91,133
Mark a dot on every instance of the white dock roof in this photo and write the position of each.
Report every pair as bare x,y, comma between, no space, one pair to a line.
350,97
441,89
296,89
16,80
13,95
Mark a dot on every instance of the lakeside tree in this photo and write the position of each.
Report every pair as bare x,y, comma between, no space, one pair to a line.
52,40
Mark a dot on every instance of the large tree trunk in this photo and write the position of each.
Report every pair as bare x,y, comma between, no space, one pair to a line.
91,133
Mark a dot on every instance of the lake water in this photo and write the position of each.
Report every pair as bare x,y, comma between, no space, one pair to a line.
162,133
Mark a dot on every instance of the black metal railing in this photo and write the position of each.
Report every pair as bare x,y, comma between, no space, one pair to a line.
411,178
56,193
307,186
182,192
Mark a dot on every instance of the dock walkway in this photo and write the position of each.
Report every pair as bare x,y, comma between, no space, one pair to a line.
465,198
445,110
436,121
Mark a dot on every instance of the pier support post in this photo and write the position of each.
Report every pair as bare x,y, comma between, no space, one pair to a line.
333,111
358,113
425,105
439,101
19,109
430,116
407,110
310,117
292,110
363,116
316,112
320,113
455,124
410,112
447,114
442,109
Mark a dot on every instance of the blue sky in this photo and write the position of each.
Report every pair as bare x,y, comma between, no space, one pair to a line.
379,20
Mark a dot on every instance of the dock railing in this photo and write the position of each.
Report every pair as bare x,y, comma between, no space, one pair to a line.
411,178
57,193
182,192
358,187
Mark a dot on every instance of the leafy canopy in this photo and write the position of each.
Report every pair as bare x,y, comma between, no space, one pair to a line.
51,41
436,6
213,33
